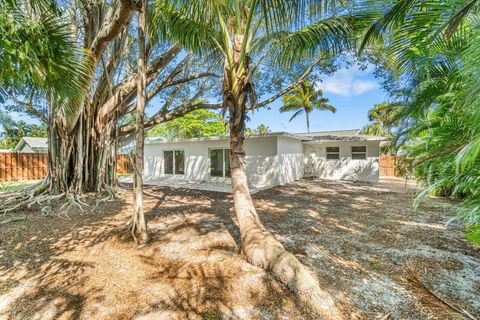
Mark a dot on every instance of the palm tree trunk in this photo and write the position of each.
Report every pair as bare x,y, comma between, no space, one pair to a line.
139,226
259,246
308,121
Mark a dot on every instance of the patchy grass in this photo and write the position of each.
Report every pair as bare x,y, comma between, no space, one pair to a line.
358,238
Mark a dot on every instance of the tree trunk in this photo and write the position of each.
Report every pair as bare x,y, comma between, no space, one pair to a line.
83,160
308,121
139,226
259,246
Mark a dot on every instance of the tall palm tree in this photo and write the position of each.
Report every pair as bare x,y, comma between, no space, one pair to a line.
240,31
304,99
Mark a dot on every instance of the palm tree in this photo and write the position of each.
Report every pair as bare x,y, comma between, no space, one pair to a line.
435,46
240,31
38,53
304,99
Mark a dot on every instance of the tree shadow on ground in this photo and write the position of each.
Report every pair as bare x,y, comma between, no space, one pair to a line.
88,267
356,237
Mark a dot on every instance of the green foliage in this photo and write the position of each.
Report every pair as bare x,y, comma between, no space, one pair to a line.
435,47
37,51
383,118
199,123
260,130
13,131
304,99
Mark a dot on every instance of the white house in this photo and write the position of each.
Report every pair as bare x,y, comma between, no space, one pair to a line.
32,145
274,159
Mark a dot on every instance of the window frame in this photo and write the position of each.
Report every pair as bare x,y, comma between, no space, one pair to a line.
174,162
327,153
225,154
359,152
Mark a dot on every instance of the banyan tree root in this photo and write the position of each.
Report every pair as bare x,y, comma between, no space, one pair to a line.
39,195
13,219
263,250
26,197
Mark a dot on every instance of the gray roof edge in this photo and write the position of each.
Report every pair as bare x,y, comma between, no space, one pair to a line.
321,139
160,140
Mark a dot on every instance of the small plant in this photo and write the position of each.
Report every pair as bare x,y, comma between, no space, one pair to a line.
212,315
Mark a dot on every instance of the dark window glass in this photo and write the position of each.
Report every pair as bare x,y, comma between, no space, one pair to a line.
359,156
216,162
359,153
179,162
227,162
333,149
333,156
359,149
333,153
168,162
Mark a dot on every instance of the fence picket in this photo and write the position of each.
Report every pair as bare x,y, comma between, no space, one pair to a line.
32,166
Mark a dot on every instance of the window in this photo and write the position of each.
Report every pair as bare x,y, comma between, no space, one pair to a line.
333,153
359,153
174,162
219,162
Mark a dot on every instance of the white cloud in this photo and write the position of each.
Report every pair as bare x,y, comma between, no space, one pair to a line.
349,82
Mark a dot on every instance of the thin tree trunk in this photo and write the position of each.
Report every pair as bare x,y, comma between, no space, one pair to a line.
308,121
259,246
139,226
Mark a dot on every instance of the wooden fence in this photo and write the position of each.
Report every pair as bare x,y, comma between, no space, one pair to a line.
124,165
388,166
32,166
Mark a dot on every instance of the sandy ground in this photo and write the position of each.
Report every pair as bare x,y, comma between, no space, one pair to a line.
358,238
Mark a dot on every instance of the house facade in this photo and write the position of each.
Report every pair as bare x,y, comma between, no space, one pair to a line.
274,159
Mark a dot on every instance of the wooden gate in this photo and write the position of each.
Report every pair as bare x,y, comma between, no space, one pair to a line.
388,166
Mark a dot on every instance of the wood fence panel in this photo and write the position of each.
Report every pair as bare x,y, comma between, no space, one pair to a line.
33,166
124,164
388,166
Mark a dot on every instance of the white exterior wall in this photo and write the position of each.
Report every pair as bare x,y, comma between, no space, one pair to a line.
316,163
290,159
261,159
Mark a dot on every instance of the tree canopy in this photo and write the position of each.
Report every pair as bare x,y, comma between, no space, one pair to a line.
432,46
196,124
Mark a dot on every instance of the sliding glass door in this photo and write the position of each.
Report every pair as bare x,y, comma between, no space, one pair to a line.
174,162
219,163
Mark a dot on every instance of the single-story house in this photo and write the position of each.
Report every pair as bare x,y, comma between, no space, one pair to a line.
32,145
274,159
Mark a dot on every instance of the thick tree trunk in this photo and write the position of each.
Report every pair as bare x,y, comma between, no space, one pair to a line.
259,246
139,226
83,160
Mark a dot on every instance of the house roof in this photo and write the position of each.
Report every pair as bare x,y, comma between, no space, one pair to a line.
337,133
32,142
339,136
310,137
360,137
157,140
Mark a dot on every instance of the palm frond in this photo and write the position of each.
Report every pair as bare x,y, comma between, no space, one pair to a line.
296,114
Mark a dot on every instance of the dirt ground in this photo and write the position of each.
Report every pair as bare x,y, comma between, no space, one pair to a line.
358,238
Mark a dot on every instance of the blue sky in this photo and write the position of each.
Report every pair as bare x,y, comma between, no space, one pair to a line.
352,91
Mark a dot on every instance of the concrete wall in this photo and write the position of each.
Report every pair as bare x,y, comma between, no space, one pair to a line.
261,159
290,159
317,165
